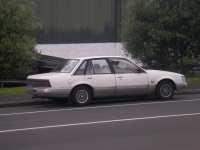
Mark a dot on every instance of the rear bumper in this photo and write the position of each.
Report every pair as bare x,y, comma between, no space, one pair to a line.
48,92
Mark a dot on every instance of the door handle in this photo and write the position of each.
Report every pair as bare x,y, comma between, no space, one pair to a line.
120,77
89,77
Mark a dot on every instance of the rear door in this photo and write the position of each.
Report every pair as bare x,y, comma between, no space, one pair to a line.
100,77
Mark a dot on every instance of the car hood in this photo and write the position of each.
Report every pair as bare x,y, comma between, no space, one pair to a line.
48,75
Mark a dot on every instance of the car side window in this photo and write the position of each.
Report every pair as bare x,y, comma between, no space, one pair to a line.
80,70
98,66
124,66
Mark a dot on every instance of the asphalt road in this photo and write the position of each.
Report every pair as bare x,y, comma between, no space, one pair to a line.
116,125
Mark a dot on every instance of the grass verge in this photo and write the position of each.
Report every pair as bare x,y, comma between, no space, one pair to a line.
193,80
15,90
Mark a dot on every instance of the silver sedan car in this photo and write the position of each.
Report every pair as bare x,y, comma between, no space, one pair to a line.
82,79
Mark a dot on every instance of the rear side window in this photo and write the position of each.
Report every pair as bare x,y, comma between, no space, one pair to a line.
98,66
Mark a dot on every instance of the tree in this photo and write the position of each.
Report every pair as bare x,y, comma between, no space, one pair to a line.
164,34
18,25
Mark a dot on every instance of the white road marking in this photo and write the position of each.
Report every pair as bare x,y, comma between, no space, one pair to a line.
99,122
97,107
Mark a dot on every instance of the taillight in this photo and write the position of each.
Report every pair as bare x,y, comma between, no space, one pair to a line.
45,84
38,83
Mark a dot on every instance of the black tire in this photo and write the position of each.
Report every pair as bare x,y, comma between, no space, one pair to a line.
81,95
165,90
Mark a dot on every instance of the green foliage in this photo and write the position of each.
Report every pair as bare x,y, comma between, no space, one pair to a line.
18,25
193,80
163,34
10,91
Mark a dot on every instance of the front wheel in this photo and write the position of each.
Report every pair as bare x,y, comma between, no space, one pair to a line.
81,95
165,90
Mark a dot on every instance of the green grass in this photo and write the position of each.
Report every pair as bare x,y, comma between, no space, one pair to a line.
10,91
193,80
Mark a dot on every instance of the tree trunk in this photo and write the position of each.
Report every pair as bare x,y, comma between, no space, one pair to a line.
2,86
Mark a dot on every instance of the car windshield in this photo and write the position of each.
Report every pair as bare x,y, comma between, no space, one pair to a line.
66,66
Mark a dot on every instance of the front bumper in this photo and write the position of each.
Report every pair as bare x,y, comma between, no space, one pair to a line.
181,86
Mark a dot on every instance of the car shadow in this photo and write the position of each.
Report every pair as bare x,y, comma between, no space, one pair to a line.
110,101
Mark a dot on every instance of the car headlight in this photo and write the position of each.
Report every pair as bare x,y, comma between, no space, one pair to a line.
183,78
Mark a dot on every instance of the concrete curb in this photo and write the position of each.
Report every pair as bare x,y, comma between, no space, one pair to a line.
2,105
186,92
21,100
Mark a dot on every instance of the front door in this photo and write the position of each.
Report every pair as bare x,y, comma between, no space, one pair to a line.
130,79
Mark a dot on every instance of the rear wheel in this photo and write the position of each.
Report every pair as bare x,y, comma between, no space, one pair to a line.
81,95
165,90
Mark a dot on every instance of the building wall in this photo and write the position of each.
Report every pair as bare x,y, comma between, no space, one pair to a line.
78,28
81,50
78,21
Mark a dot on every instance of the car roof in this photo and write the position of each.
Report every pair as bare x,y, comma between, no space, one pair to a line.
93,57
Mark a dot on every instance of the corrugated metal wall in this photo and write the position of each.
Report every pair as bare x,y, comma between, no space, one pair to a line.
78,21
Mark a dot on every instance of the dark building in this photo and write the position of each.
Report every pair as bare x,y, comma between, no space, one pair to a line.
79,21
76,21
